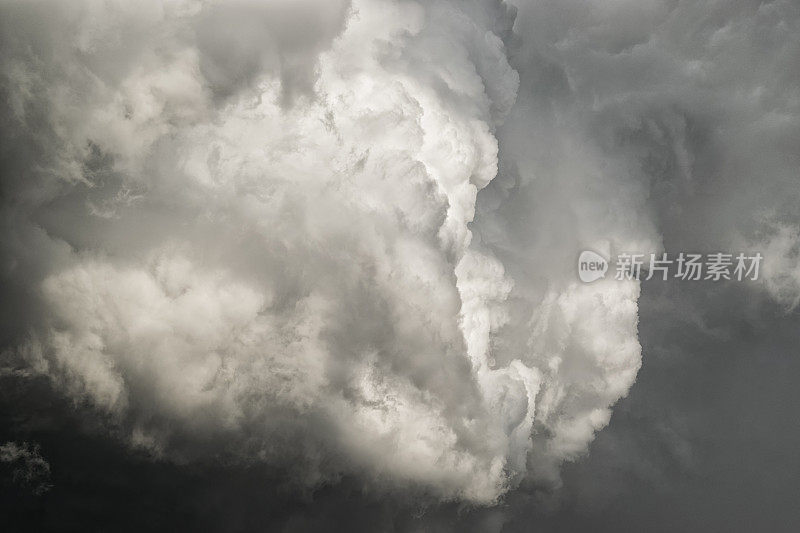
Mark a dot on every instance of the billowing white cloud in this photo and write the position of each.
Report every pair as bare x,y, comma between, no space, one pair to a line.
254,229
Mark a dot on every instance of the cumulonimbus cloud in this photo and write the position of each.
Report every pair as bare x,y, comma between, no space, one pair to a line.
253,229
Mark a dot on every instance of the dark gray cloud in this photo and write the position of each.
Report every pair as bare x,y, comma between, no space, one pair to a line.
25,466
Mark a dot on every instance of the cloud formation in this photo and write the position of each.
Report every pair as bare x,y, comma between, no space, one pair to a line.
254,230
28,469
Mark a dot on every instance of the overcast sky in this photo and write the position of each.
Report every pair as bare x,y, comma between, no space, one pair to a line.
312,265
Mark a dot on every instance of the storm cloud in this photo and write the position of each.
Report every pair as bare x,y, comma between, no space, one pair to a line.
338,239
